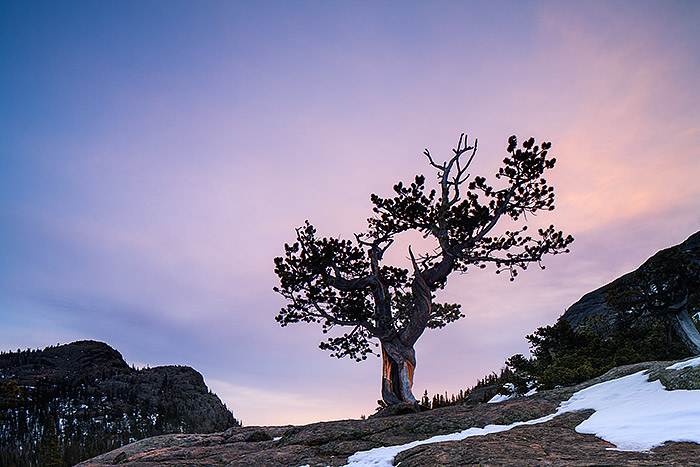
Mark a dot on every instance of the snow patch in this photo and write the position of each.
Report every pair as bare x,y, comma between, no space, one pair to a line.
500,398
636,414
693,362
510,387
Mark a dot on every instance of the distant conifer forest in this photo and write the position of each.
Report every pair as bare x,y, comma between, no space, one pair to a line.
54,416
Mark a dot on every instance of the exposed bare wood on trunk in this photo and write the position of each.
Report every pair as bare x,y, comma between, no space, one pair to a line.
398,366
406,379
391,389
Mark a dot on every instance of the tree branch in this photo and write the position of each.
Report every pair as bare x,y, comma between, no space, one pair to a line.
349,285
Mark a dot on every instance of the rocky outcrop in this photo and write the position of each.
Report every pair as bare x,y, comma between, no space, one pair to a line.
331,443
593,310
554,443
77,400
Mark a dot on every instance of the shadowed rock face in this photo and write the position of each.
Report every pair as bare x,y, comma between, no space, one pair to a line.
592,306
99,401
331,443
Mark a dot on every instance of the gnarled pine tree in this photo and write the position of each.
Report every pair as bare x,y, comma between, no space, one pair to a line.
338,282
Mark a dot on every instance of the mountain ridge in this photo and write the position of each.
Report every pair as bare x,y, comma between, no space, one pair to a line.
51,400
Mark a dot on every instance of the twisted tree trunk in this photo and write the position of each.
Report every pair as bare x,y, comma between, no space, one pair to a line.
398,365
398,355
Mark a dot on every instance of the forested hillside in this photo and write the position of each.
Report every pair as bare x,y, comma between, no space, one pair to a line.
67,403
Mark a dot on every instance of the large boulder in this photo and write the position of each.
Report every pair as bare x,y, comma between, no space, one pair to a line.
593,309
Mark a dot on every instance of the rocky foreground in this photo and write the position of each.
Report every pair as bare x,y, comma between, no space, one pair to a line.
331,443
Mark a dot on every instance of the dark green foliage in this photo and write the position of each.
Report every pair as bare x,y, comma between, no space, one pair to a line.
563,356
484,389
10,395
51,452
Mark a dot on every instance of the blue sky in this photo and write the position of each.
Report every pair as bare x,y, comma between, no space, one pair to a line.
155,156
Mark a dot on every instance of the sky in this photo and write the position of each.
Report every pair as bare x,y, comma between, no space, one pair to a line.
155,157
